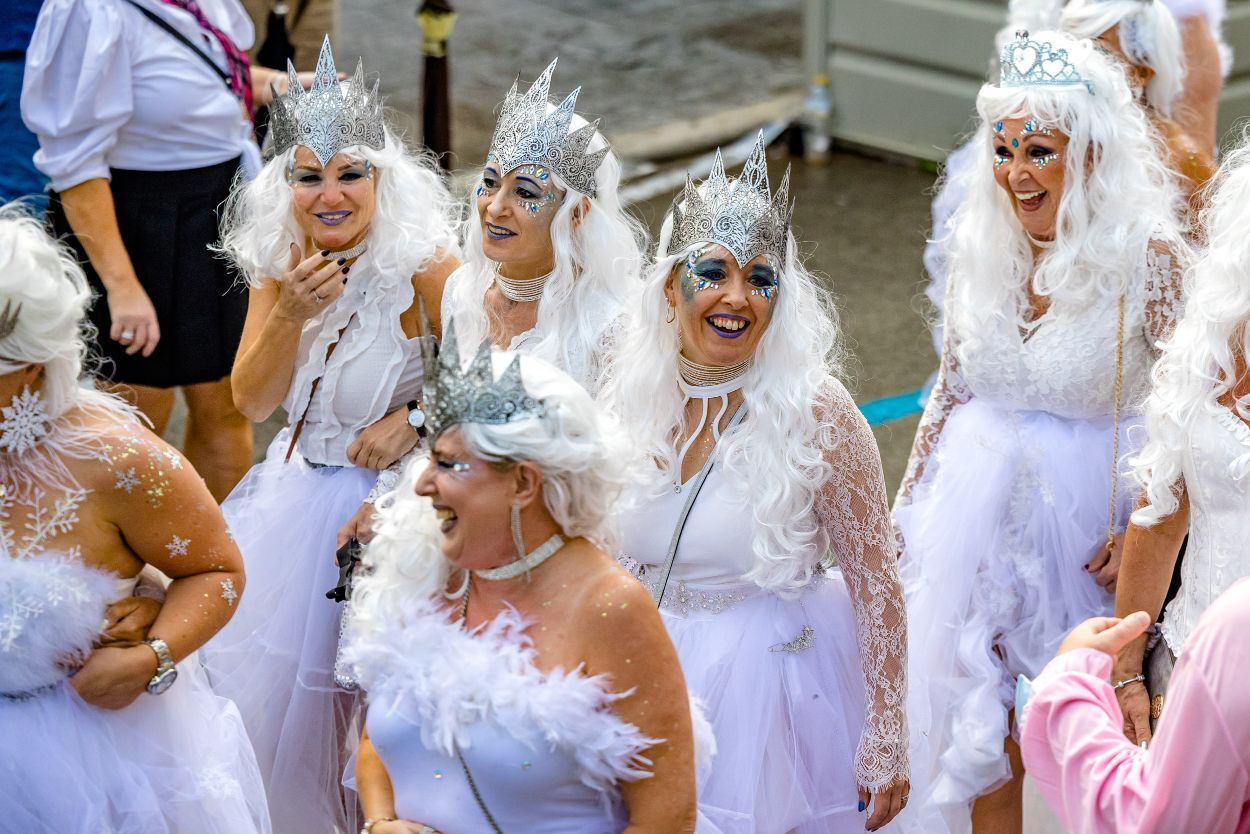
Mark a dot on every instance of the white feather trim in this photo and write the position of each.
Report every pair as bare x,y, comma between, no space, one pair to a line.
442,680
704,739
51,611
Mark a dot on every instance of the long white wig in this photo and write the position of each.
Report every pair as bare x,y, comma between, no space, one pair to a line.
598,260
1118,196
585,467
1148,37
776,457
413,219
1199,362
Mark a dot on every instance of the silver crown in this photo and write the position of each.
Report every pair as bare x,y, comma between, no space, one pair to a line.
1030,63
740,214
526,134
329,117
8,319
472,395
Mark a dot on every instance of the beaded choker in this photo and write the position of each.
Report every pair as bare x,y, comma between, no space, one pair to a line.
522,290
525,564
347,254
703,376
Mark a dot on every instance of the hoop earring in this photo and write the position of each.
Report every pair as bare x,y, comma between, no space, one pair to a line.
517,541
672,314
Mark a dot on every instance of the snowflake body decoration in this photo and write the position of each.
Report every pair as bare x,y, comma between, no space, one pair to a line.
25,422
228,593
177,546
127,480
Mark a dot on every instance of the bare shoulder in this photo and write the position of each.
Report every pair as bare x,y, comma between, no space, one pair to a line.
130,462
614,616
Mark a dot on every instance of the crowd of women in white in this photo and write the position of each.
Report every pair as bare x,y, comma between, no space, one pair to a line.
786,656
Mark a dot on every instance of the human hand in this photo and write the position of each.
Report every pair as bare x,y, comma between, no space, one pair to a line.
885,804
403,827
358,527
380,445
134,318
113,678
1135,707
1106,634
127,621
309,285
1106,564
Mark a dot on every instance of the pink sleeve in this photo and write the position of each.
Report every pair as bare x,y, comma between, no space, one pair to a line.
1193,778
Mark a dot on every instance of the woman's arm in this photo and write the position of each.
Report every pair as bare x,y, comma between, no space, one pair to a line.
276,312
428,285
373,783
624,638
1145,572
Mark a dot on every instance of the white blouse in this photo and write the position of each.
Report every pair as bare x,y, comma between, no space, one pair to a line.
105,88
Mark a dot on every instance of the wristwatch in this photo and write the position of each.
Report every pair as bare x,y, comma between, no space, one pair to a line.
416,417
166,672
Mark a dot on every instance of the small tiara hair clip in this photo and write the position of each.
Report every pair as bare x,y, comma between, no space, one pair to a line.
1029,63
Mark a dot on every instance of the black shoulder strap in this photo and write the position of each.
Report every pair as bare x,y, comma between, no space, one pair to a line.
184,40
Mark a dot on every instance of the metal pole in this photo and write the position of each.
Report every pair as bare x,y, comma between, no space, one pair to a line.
818,106
437,18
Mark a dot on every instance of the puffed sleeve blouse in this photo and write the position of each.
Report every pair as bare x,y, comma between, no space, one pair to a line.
105,87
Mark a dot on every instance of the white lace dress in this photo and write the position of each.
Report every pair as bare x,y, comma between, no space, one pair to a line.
276,658
546,751
1215,465
1006,500
805,691
175,763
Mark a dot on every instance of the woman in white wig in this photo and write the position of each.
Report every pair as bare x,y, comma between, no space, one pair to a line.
551,257
99,733
518,679
1064,274
341,239
1196,458
759,463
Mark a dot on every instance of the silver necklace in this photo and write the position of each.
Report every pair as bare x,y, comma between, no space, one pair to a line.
524,564
347,254
695,374
522,290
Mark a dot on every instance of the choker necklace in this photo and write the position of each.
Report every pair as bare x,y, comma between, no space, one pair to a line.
524,564
522,290
1040,244
347,254
703,376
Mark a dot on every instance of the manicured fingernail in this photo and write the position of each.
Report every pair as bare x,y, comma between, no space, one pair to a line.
861,805
346,269
342,261
344,280
325,252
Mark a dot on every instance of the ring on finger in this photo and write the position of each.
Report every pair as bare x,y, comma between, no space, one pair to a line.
127,335
903,801
317,296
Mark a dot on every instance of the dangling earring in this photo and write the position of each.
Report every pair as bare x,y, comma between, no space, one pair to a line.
517,541
25,422
672,314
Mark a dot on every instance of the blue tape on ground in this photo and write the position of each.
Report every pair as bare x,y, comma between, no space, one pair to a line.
886,409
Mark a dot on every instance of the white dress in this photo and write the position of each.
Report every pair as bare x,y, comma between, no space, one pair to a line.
276,658
545,750
175,763
1005,501
804,691
1215,464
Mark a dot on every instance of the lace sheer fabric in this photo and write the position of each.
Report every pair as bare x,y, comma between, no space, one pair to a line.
1063,362
852,509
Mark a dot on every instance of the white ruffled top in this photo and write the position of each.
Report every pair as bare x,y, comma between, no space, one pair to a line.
104,88
373,369
545,749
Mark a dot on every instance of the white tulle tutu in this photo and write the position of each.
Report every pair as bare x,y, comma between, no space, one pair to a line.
1010,509
787,724
275,659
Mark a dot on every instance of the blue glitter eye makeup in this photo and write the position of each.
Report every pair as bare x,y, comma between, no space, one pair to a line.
1043,161
695,278
542,178
1000,161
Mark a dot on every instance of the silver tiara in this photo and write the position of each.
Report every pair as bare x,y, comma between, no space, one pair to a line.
8,319
526,134
740,214
330,116
1030,63
472,395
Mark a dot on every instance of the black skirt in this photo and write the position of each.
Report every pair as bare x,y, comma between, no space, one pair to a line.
167,220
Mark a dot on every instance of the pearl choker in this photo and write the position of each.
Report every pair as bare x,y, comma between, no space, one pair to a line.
702,376
347,254
522,290
525,564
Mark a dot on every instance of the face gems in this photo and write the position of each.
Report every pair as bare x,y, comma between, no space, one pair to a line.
543,177
765,292
1000,161
228,593
481,189
177,546
691,282
1032,126
25,422
1043,161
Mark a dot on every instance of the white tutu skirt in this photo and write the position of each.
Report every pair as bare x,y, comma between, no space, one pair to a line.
275,658
176,763
1010,508
787,724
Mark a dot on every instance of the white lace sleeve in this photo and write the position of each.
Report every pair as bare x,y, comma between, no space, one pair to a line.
853,510
1164,271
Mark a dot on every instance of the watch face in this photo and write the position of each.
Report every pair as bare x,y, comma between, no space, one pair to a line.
163,681
416,418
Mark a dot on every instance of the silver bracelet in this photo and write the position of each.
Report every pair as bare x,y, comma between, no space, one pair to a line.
368,826
1141,678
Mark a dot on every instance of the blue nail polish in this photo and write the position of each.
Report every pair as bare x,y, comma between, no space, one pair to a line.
861,805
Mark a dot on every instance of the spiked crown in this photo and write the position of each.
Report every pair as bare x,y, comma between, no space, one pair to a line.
526,134
330,116
740,214
455,395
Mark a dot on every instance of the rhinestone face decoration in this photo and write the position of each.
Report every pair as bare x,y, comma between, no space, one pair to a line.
527,134
740,214
473,395
330,116
1030,63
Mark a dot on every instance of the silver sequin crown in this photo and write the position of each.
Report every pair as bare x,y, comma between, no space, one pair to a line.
526,134
333,115
1030,63
740,214
455,395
